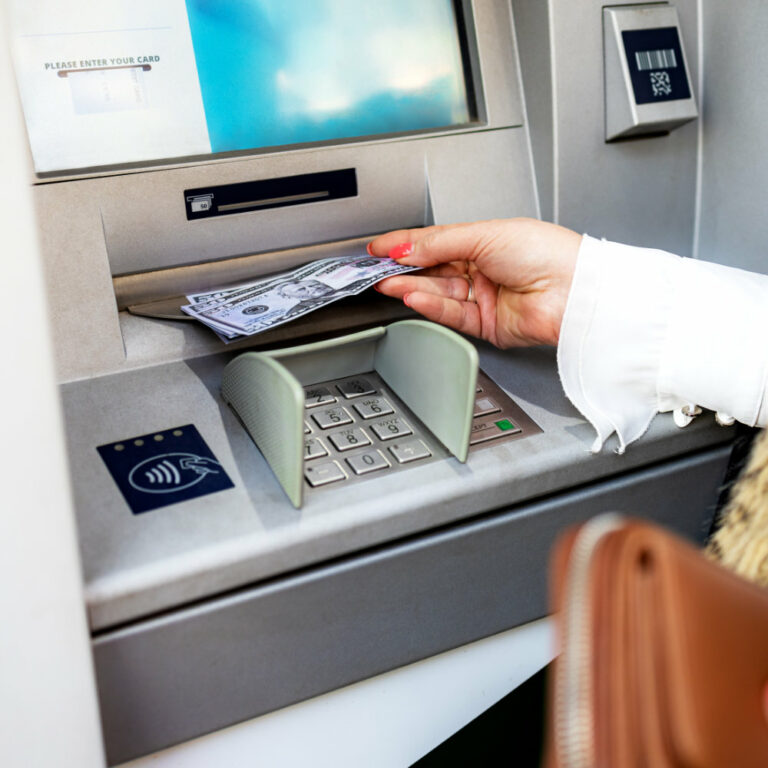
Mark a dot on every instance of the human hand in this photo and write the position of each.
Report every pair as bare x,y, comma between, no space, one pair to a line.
519,272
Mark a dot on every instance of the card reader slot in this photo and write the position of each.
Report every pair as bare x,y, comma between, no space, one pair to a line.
273,201
208,202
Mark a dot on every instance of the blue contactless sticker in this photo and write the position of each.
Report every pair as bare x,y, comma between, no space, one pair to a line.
163,468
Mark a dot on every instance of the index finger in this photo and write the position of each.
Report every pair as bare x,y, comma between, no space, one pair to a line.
434,245
383,244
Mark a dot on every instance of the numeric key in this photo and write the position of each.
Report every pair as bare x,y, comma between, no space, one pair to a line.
387,429
371,407
355,388
349,439
327,418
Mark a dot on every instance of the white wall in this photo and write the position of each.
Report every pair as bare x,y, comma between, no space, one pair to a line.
48,712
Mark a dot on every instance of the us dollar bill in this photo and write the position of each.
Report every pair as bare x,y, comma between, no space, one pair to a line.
251,308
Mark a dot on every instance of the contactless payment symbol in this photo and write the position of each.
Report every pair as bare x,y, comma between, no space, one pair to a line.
163,468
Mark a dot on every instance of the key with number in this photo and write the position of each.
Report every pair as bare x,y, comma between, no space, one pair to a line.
314,396
387,429
313,448
355,388
331,417
371,461
348,439
371,407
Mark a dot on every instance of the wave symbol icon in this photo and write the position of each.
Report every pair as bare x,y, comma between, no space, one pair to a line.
164,472
171,472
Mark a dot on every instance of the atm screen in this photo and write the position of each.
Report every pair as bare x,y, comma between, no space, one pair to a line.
111,84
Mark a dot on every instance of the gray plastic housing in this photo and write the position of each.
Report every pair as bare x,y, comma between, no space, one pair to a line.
432,369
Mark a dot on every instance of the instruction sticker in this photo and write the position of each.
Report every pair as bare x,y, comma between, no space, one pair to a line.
162,468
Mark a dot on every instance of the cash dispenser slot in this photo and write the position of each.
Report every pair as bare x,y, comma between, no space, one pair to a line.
159,294
224,199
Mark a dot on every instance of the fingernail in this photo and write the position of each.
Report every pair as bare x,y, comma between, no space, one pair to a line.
376,288
401,250
368,249
406,299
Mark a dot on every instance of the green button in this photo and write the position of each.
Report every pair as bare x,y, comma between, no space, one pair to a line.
505,424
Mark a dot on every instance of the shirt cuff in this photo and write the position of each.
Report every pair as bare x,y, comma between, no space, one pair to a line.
647,331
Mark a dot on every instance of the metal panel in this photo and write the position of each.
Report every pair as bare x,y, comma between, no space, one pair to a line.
733,227
192,671
640,191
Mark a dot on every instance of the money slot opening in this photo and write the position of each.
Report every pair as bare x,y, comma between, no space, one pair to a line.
159,294
207,202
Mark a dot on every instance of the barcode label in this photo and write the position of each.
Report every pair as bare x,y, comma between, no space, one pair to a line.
664,58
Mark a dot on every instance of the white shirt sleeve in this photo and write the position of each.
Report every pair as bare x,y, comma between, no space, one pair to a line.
646,331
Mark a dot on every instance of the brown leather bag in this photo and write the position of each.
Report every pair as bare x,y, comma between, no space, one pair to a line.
664,654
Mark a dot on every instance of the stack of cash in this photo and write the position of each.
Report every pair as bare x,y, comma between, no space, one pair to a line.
251,308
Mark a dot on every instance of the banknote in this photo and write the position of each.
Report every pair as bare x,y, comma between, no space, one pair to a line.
257,306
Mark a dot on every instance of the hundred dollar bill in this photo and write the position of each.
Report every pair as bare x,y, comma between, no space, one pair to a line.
258,306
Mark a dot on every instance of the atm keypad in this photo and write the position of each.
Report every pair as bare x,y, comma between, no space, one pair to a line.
350,436
496,417
356,428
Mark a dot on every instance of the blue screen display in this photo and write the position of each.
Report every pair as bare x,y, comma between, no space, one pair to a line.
280,72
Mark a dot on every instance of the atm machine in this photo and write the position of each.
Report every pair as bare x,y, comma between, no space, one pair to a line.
182,146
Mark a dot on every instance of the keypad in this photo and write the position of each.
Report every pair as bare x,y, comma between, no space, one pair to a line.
350,425
496,416
356,428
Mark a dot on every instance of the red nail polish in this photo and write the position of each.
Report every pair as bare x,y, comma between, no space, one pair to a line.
401,250
368,249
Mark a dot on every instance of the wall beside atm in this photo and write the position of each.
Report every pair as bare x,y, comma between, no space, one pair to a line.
734,172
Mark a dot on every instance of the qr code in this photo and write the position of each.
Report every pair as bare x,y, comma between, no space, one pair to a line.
661,85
